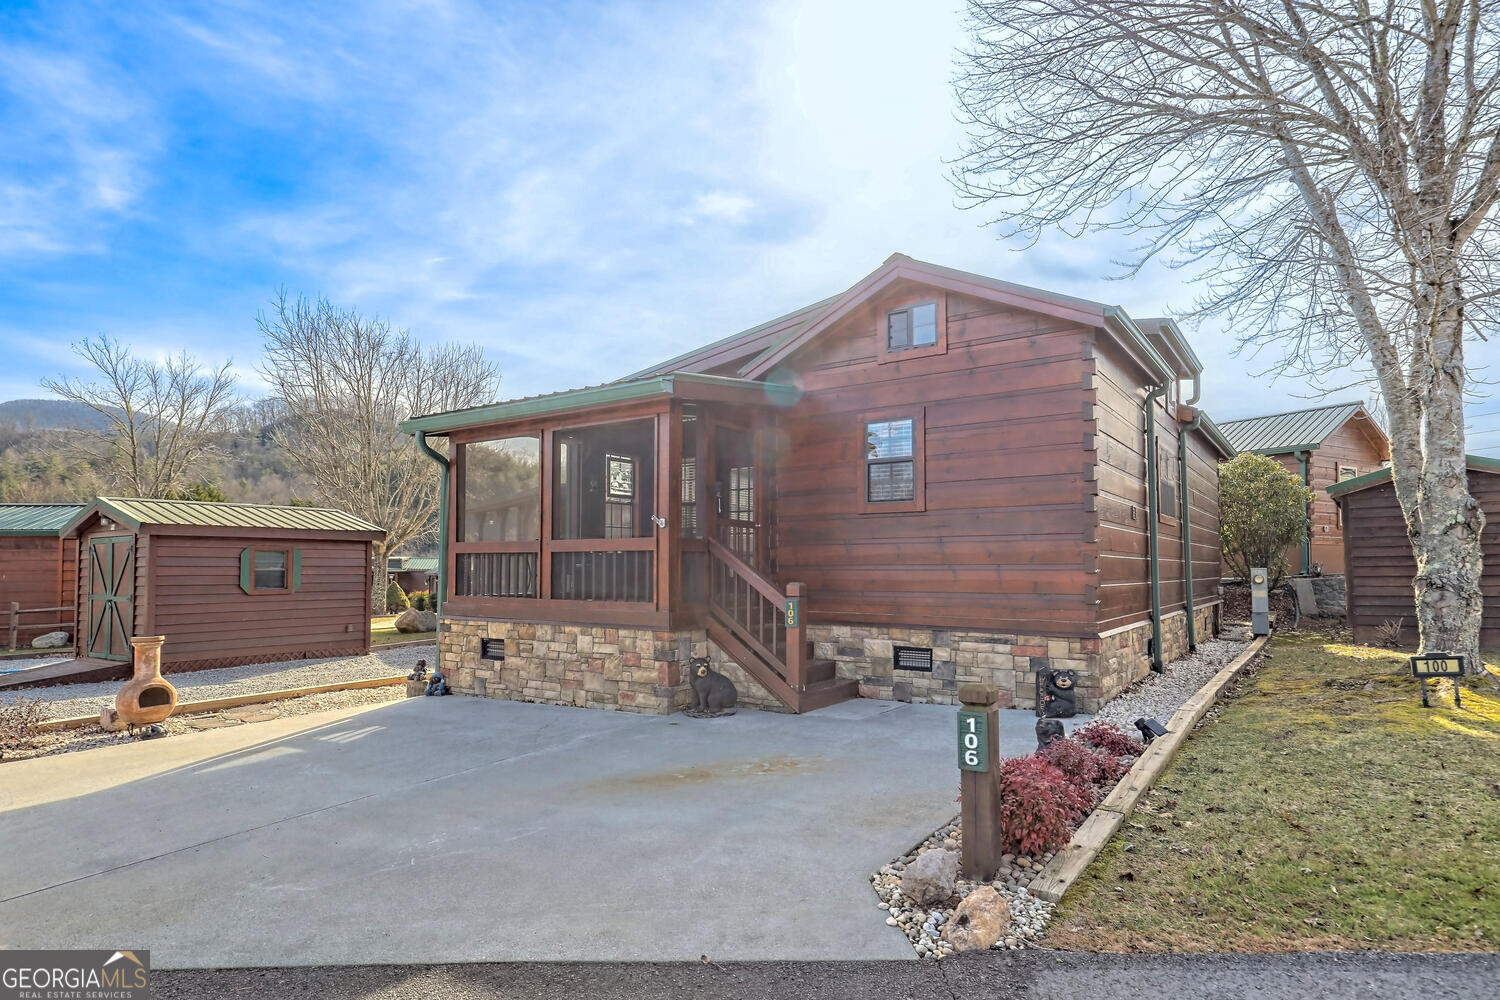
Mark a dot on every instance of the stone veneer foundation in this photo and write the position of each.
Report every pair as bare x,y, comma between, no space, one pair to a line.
641,670
633,670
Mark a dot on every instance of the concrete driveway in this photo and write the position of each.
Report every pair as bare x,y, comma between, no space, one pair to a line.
464,829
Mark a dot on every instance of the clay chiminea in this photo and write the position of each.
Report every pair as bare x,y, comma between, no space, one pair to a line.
146,698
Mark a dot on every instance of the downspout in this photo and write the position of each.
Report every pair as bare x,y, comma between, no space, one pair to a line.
1153,510
441,597
1302,458
1187,527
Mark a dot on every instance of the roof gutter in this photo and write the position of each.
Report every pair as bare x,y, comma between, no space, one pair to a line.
1153,510
1118,322
1187,525
442,570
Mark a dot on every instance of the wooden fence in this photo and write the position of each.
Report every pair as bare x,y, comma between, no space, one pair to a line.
16,611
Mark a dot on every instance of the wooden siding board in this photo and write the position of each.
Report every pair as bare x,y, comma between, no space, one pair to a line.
1381,565
1002,539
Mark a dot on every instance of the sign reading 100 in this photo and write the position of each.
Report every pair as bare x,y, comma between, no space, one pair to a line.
973,741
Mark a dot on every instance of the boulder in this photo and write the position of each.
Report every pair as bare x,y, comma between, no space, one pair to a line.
52,640
980,920
412,620
931,877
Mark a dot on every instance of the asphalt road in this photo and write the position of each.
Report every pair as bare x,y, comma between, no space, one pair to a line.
1037,974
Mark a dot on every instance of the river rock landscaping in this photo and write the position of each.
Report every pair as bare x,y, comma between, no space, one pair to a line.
1050,795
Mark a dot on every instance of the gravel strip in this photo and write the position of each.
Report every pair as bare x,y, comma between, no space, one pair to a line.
227,682
1159,695
92,737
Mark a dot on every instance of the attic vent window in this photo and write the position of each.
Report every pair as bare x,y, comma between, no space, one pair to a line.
912,327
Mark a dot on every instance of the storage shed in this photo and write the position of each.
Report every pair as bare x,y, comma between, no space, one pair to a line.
226,583
1379,564
38,569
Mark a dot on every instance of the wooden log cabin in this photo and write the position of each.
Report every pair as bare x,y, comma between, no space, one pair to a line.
1379,564
1321,446
38,570
930,478
226,583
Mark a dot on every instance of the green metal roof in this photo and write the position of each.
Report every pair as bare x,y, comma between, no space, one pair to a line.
36,518
1383,474
679,383
137,512
1297,430
412,564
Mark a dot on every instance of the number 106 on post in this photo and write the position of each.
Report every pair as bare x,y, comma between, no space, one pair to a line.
973,741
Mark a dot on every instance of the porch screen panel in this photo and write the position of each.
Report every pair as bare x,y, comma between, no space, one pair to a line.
502,494
604,481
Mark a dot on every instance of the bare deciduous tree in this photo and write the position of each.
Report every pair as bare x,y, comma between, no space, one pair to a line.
346,382
163,419
1331,169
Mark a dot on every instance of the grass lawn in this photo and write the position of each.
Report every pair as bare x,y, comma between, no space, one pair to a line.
1322,809
383,632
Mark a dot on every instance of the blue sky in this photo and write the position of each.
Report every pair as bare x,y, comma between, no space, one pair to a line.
584,188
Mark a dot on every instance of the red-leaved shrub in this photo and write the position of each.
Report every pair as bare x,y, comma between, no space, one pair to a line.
1078,762
1038,806
1110,738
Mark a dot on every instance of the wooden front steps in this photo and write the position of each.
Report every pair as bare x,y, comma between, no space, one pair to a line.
821,687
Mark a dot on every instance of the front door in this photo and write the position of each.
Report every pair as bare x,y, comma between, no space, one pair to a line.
736,495
111,596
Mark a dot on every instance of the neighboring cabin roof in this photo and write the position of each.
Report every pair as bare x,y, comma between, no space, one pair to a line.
37,518
412,564
137,512
1476,463
1297,430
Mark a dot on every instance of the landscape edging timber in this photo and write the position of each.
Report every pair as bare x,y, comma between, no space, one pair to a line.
1089,839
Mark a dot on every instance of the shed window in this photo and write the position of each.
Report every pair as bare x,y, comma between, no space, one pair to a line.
890,461
915,326
271,569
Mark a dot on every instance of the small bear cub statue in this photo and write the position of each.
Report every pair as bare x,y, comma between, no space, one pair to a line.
713,693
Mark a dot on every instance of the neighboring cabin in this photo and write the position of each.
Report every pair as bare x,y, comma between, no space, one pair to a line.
412,573
1322,446
38,569
933,477
1380,565
226,583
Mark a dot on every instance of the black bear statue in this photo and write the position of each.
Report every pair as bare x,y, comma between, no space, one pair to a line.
1057,696
713,693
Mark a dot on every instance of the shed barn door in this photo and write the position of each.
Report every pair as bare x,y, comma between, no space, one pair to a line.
111,596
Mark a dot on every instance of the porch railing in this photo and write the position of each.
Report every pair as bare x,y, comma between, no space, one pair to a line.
758,614
496,574
618,570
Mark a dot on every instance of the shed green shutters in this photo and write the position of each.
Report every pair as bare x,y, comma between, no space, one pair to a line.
245,570
296,568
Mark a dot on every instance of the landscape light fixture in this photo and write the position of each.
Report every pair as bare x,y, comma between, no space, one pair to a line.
1150,729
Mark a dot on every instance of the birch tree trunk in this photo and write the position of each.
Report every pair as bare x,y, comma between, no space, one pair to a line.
1328,172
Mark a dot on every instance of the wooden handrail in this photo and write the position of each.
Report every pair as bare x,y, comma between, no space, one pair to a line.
788,609
742,569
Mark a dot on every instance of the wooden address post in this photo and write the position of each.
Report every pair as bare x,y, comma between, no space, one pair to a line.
979,779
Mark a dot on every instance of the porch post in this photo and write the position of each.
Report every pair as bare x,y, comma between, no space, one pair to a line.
796,637
668,504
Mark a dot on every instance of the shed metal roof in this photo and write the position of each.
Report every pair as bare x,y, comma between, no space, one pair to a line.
1297,430
137,512
37,518
1478,463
